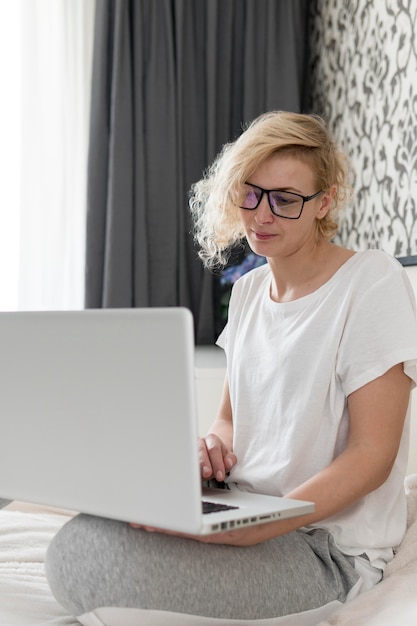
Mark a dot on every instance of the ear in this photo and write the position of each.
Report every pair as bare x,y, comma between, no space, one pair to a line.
326,200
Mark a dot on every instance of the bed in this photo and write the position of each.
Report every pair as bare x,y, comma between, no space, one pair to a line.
25,599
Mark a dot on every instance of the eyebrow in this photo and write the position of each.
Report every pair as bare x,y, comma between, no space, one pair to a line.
289,189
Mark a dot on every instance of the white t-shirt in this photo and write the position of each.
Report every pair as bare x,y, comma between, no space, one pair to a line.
291,367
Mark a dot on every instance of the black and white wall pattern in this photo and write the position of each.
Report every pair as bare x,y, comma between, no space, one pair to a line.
364,83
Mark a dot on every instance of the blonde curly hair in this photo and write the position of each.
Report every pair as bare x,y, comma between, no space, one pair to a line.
217,223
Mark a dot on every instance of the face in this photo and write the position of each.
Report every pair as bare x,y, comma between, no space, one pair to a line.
272,236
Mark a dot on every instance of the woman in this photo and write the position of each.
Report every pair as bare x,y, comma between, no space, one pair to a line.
321,348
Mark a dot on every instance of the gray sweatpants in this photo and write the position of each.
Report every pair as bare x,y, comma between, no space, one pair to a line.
94,562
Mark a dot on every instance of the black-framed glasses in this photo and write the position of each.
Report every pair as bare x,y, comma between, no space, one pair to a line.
282,203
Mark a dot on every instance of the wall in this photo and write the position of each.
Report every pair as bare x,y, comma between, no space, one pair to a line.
364,82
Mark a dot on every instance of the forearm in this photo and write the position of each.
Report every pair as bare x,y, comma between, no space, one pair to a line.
223,424
216,448
347,479
350,477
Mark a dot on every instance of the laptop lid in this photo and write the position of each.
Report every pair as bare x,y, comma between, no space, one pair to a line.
98,414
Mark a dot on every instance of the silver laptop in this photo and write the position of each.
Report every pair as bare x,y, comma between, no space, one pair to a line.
98,414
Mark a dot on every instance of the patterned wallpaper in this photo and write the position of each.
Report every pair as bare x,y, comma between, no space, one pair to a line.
364,83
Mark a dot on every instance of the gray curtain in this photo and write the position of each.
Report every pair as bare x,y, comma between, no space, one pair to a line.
173,80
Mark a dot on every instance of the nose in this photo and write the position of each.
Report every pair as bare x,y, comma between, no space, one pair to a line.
263,213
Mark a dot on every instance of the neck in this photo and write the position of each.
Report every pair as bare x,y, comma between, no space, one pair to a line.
301,273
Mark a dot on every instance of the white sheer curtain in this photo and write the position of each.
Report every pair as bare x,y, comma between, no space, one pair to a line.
56,55
10,49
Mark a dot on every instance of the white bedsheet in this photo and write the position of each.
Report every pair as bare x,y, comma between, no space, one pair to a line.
25,599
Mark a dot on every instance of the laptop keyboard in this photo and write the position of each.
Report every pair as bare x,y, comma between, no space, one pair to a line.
214,507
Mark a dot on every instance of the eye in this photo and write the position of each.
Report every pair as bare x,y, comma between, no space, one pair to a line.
285,199
250,195
248,198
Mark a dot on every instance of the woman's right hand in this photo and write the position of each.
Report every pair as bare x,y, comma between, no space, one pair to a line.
216,460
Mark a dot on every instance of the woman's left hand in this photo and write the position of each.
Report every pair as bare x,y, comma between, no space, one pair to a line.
248,536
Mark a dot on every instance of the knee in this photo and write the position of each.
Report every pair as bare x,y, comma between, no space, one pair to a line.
73,561
64,565
92,562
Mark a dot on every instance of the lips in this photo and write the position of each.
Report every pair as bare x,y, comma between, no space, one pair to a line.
263,236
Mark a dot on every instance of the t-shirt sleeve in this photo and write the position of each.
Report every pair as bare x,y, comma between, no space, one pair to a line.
380,332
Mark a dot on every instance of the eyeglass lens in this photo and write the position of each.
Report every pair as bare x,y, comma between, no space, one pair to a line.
282,203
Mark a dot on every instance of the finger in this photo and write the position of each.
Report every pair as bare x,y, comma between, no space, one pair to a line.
230,460
217,453
205,465
147,528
